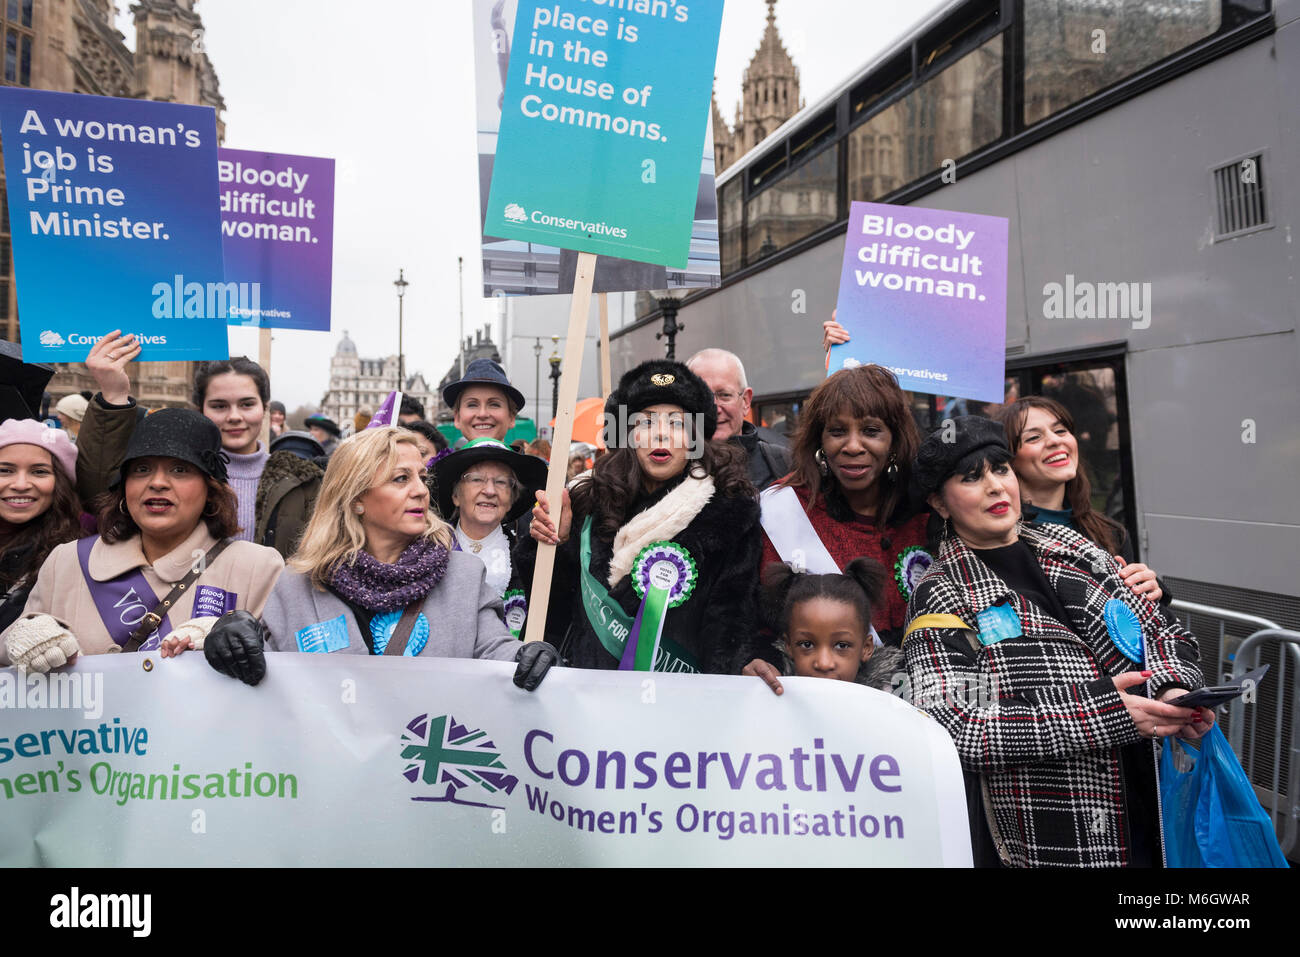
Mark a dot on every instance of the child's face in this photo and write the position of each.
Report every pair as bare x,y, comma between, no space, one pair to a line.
827,639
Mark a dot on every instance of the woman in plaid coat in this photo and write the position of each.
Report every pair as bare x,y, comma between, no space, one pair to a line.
1009,647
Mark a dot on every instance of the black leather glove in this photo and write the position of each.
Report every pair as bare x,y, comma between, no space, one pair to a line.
535,659
234,647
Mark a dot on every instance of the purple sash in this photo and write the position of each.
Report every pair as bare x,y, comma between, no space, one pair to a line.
122,602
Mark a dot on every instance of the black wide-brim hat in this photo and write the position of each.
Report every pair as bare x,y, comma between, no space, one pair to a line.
528,469
941,451
658,382
324,422
483,372
177,434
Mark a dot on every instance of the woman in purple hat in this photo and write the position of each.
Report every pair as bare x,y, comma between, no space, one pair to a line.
39,508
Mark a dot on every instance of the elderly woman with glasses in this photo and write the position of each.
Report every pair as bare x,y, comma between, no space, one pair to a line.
483,489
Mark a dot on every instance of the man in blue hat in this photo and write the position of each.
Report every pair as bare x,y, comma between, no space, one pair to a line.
483,403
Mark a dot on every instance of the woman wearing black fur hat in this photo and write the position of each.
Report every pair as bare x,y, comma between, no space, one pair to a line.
165,555
1037,620
657,564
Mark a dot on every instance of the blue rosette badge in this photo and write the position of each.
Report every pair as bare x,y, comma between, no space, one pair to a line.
663,575
516,610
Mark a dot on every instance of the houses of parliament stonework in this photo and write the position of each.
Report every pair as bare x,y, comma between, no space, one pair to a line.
74,46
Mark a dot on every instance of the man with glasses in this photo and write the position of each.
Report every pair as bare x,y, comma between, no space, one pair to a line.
724,374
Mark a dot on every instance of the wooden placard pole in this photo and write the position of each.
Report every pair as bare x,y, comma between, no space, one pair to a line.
540,597
606,380
264,360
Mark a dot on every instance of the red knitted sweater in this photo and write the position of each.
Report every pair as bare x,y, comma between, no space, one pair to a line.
859,538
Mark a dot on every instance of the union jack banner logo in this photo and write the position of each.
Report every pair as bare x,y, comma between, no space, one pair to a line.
450,756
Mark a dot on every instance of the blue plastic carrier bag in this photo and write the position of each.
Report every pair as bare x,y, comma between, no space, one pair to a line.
1211,815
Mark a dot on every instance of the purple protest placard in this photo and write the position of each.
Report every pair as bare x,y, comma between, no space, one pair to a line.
277,230
924,293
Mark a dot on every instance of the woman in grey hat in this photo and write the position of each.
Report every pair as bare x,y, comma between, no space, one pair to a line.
167,521
1024,642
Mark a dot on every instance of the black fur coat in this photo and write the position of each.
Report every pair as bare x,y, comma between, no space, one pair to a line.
716,624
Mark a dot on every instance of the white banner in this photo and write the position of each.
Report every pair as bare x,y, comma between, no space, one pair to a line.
343,760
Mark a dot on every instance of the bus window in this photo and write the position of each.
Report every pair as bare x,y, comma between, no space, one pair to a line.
796,206
954,113
730,207
1075,49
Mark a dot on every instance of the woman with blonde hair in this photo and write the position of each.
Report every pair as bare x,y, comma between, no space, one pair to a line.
374,574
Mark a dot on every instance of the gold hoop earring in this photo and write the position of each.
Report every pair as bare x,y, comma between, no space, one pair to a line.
121,506
216,509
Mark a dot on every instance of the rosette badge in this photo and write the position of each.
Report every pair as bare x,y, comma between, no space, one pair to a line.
663,575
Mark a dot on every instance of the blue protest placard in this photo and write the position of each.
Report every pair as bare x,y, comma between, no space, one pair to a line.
277,230
115,222
923,292
602,126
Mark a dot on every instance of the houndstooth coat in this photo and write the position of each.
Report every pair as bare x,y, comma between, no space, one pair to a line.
1045,737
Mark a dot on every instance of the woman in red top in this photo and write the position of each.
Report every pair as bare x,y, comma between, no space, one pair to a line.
851,456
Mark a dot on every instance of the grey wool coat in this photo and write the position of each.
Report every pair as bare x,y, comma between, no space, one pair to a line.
465,615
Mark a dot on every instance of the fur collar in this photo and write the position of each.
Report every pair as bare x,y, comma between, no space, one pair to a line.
663,520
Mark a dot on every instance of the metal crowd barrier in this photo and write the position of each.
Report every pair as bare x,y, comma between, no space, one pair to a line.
1265,732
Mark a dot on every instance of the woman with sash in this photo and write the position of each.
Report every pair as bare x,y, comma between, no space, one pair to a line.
485,488
657,565
39,508
1047,670
1054,486
376,575
165,554
847,496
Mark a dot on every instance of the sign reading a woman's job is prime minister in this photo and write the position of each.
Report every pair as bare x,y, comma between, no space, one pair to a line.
116,224
603,120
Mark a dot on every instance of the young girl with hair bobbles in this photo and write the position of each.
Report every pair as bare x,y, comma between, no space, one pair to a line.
824,625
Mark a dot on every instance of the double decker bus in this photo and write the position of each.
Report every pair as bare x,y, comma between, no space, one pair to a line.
1148,145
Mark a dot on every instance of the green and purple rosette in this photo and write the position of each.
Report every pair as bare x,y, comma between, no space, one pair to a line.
664,575
913,562
516,610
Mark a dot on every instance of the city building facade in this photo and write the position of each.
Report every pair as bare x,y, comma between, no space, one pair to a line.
360,385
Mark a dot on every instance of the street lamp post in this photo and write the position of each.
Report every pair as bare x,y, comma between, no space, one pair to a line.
554,360
668,303
401,285
537,378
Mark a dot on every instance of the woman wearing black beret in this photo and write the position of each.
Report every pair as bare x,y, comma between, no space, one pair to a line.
1048,671
657,563
165,565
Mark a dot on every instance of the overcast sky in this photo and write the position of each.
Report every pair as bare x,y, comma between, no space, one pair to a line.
386,89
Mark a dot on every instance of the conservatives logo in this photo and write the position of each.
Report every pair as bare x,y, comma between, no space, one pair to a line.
51,338
452,758
515,213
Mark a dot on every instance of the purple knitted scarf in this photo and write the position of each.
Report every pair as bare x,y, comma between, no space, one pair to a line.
379,587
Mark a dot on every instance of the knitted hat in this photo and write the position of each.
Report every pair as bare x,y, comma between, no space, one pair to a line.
276,406
528,469
72,407
324,422
483,372
945,447
659,382
301,444
178,434
54,441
